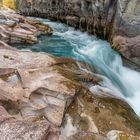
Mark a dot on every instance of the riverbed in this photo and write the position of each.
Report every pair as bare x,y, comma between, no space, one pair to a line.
118,80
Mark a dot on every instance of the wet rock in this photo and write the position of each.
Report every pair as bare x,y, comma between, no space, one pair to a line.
128,47
112,114
94,115
72,20
43,28
101,125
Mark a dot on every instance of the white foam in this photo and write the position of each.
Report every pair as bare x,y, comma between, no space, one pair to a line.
68,129
117,79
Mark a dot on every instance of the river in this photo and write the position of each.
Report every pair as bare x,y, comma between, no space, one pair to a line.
118,80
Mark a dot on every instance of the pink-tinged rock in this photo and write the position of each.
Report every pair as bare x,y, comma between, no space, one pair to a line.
29,81
12,129
3,45
128,47
19,29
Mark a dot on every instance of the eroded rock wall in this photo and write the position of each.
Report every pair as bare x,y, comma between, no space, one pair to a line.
88,15
114,20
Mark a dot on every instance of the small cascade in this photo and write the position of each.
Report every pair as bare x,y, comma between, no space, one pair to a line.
118,80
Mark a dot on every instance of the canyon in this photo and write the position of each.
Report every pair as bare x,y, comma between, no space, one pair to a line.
47,84
113,20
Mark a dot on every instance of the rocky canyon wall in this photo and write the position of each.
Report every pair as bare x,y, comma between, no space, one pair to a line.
115,20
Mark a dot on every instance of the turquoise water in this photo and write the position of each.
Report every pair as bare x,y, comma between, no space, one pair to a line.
56,44
118,80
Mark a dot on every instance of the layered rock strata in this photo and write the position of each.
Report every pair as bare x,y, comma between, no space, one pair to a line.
18,29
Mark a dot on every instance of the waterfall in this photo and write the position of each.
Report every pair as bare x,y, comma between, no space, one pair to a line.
118,80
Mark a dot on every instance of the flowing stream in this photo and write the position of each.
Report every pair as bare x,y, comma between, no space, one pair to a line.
118,80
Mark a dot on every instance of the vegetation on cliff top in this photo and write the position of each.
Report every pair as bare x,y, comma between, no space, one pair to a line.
9,3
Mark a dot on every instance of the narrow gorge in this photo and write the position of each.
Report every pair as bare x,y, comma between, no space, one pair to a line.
70,70
113,20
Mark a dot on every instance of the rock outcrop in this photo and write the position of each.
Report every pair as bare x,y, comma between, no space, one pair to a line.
18,29
107,19
42,97
28,80
47,98
33,97
94,115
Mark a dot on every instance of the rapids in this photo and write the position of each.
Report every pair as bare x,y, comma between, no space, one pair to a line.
118,80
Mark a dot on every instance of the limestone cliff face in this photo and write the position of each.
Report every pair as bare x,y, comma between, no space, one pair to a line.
115,20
